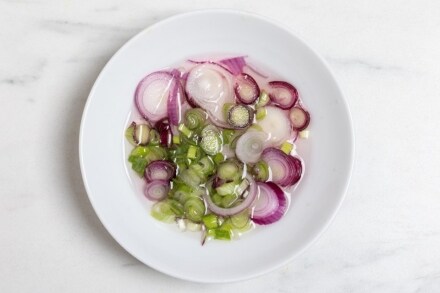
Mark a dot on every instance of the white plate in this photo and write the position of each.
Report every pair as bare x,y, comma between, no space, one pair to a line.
328,153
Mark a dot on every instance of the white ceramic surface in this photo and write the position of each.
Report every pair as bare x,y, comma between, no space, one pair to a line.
328,153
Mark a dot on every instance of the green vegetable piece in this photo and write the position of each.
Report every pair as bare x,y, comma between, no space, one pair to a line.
240,116
185,131
195,118
261,171
261,113
154,137
194,209
210,221
228,170
129,134
228,135
228,200
190,177
162,211
193,152
240,220
138,164
218,158
141,134
217,199
226,188
226,108
211,141
176,207
287,147
263,99
220,234
176,139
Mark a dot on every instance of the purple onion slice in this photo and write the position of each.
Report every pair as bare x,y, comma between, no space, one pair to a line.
270,205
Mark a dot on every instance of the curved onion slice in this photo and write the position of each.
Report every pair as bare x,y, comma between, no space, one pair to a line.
276,124
299,118
157,190
160,170
247,202
209,86
283,94
175,100
246,89
152,94
250,146
164,129
235,65
285,169
270,205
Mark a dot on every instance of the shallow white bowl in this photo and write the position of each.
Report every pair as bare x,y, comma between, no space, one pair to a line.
328,153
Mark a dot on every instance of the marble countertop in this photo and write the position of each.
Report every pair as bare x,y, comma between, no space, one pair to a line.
386,56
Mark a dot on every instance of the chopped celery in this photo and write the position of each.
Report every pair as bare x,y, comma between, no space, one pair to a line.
154,137
211,142
182,192
195,118
207,165
141,134
261,171
256,127
220,234
193,152
242,187
218,158
226,188
190,177
287,147
162,211
176,207
217,199
185,131
226,108
210,221
261,113
138,164
240,116
240,220
228,170
263,99
194,209
227,135
129,134
176,139
141,156
228,200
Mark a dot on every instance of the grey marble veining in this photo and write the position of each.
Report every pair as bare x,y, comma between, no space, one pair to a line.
385,55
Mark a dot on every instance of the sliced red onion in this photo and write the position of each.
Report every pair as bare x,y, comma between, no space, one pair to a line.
286,170
299,118
209,87
160,170
270,205
157,190
164,129
175,100
256,71
235,65
152,93
246,203
283,94
246,89
250,146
